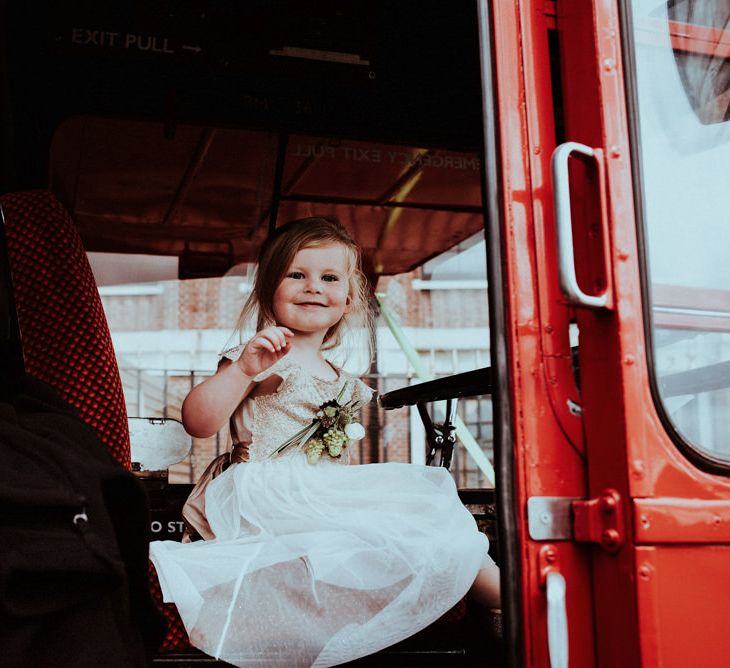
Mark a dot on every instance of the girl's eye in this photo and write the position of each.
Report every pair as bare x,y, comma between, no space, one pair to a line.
295,274
330,278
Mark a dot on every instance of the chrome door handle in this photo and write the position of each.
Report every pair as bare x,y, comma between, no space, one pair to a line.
564,227
557,620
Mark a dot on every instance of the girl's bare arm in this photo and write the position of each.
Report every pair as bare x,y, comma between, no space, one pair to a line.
209,405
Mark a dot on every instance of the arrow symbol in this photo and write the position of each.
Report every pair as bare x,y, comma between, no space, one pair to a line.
187,47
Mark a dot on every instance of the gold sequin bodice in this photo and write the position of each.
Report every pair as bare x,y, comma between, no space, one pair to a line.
265,421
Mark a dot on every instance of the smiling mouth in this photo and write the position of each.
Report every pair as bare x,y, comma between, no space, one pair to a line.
311,304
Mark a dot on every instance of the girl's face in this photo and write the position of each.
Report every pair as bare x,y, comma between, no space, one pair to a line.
314,293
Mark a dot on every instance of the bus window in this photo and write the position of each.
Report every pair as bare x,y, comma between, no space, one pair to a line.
682,86
428,269
167,334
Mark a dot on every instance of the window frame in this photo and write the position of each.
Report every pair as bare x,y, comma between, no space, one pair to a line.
680,37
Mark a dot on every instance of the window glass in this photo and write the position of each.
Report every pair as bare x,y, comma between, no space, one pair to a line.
682,56
167,334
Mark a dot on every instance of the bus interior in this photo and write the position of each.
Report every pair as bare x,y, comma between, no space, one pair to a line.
147,150
174,147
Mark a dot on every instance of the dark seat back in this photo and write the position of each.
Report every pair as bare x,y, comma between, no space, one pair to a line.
65,336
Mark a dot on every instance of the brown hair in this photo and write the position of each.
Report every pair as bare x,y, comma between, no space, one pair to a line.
276,255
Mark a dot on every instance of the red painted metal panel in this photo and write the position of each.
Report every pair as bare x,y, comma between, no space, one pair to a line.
553,313
681,520
519,278
594,102
547,436
655,606
640,595
683,620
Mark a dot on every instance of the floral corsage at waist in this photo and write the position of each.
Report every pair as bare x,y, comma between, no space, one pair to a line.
334,424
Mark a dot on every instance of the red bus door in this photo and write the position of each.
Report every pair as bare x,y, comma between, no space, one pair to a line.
613,243
541,459
654,355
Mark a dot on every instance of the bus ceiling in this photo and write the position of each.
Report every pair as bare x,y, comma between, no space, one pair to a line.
191,131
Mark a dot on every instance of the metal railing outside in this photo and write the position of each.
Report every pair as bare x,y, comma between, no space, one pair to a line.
389,434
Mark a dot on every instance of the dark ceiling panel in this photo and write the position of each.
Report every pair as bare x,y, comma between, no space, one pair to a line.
204,192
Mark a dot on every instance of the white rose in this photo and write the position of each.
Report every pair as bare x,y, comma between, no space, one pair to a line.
354,431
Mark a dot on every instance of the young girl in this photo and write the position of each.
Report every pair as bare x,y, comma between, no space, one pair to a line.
305,561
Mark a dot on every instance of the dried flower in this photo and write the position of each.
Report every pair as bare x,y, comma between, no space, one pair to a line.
329,431
314,450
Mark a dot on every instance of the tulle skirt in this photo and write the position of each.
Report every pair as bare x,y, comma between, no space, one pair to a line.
319,565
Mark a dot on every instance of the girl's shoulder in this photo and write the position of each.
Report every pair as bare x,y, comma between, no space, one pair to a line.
360,391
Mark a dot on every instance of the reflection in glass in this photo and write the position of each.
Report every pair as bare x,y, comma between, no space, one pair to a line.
705,74
683,81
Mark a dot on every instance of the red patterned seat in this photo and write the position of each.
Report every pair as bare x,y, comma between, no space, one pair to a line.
66,339
176,639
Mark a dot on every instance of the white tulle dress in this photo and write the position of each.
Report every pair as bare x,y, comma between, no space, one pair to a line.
317,565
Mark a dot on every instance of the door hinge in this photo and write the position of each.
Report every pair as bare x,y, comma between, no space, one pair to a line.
599,520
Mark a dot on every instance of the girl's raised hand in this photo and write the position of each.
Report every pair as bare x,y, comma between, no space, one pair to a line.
264,349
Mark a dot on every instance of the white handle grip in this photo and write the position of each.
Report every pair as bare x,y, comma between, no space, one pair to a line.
557,621
564,227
